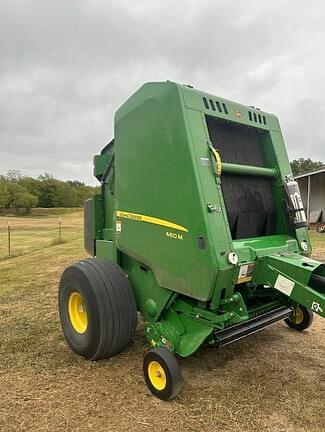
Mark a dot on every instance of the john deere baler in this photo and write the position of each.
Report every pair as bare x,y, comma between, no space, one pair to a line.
199,226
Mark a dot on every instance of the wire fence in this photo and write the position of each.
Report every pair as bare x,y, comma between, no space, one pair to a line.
19,236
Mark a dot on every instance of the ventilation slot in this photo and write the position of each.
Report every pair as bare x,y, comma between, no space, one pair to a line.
225,108
218,106
215,106
257,118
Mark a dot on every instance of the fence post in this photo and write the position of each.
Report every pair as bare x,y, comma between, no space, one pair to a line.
60,229
9,239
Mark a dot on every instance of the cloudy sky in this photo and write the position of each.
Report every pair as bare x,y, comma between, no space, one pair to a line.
66,65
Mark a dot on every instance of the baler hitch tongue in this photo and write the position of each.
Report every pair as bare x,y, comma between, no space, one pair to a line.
301,279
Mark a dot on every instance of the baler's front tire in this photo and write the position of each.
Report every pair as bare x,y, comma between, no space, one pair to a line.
301,318
97,308
321,228
162,373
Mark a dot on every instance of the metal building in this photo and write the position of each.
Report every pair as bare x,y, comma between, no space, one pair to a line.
312,188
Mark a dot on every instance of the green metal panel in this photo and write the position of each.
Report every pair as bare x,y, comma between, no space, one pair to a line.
161,182
100,164
151,298
106,249
290,274
162,217
98,216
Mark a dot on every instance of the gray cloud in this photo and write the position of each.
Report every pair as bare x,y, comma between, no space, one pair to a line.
65,67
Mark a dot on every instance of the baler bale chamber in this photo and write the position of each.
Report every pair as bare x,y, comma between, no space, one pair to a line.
199,226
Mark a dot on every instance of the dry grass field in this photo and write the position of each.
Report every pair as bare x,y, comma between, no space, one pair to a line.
272,381
39,230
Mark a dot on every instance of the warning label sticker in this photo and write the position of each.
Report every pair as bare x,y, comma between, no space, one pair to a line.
284,285
245,272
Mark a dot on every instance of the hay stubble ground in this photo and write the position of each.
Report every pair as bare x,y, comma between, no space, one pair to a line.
272,381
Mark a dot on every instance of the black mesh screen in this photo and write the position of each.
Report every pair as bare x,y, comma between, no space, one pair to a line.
248,199
236,144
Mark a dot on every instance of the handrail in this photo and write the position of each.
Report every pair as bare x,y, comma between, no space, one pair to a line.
230,168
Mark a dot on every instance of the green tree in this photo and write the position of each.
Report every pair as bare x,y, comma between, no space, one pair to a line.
48,191
14,188
32,185
24,200
20,198
49,195
67,195
301,166
4,194
13,175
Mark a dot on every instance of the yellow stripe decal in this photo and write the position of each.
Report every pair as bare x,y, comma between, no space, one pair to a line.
149,219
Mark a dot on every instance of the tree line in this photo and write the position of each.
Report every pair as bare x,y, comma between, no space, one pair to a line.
23,192
301,166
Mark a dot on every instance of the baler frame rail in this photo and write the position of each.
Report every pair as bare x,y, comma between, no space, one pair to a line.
251,326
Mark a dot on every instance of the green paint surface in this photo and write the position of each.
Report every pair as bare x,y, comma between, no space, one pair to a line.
164,170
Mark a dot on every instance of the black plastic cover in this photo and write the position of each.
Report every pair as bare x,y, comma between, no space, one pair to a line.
89,241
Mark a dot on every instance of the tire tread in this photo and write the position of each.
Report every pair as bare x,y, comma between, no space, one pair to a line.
114,297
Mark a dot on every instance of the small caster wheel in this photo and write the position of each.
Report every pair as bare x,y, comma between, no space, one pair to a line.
300,319
321,228
162,373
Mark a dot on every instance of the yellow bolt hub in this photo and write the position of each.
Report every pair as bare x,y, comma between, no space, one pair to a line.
157,375
77,312
299,316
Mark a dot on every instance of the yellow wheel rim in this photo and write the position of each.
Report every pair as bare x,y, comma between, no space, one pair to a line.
157,375
299,316
77,312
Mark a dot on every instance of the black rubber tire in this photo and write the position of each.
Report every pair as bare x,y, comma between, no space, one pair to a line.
306,321
321,228
110,306
169,363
